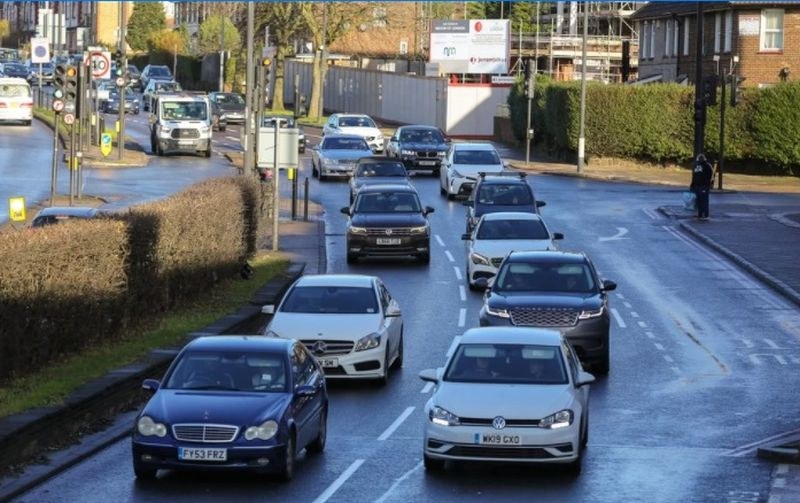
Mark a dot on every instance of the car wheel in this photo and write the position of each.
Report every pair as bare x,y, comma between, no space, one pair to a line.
575,467
28,123
318,444
314,171
352,258
287,470
585,438
472,286
302,150
223,128
159,150
136,112
424,258
384,379
432,464
442,191
207,153
602,367
436,171
143,472
398,362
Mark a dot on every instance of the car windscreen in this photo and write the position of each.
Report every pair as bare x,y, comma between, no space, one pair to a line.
381,169
15,91
330,300
230,99
356,122
14,67
505,194
476,157
284,122
387,202
430,136
229,371
344,144
159,71
184,110
512,229
545,277
506,364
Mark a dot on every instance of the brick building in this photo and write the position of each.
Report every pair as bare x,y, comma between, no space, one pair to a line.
765,36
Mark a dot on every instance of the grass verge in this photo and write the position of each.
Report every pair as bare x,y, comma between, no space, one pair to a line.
51,385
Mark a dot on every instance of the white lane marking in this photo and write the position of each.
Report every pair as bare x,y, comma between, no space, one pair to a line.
396,424
397,482
642,324
232,138
463,292
627,304
621,231
634,314
751,447
618,318
659,346
676,370
650,213
772,344
462,317
453,346
668,358
427,388
439,240
620,296
458,273
339,482
650,335
756,358
748,343
449,256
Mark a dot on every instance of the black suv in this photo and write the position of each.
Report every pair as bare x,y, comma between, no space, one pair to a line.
376,171
388,220
419,147
500,192
553,289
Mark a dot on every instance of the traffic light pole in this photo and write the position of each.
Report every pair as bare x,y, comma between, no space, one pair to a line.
699,102
120,72
54,165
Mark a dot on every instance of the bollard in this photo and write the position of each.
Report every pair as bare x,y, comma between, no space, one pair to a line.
305,201
294,198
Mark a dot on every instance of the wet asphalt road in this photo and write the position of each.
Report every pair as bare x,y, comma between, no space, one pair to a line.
695,379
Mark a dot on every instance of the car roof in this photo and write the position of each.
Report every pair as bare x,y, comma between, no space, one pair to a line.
471,145
502,180
357,280
555,257
343,135
68,211
511,215
240,343
379,159
388,187
419,126
352,115
512,335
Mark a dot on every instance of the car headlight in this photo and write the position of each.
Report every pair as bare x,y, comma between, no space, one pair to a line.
419,230
560,419
479,259
443,417
270,333
264,431
205,129
165,131
500,313
148,428
136,102
457,174
591,313
407,152
441,154
368,342
358,230
379,137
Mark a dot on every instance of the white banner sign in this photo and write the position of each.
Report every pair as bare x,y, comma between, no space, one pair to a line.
474,46
40,50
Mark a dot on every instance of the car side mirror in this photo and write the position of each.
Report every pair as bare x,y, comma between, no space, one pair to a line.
557,236
268,309
539,204
466,237
345,210
393,311
429,209
305,391
151,385
584,378
608,285
429,375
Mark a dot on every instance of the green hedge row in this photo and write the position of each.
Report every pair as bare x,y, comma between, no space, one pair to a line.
76,284
656,122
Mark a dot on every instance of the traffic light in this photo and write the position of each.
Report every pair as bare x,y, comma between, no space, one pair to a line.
71,84
710,90
59,80
267,64
735,81
119,64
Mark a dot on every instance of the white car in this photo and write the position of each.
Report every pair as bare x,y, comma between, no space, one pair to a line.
349,322
358,124
508,394
16,100
498,234
462,165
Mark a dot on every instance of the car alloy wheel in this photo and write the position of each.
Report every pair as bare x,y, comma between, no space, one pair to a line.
318,444
384,379
143,472
432,464
287,472
398,362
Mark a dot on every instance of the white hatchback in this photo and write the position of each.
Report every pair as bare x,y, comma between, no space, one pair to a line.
358,124
498,234
16,100
508,394
463,164
349,322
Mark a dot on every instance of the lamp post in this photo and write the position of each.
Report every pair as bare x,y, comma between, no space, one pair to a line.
582,135
699,103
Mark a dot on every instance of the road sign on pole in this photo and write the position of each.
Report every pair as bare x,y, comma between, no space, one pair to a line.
105,144
100,64
16,209
58,105
40,50
69,119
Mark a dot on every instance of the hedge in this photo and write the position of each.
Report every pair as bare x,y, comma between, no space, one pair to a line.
68,286
656,122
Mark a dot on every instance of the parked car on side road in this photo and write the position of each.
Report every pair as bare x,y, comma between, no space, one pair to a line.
419,147
57,214
337,155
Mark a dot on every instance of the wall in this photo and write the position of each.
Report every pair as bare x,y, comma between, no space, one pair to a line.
764,67
471,108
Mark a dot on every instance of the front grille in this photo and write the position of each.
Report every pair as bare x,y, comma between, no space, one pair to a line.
516,423
205,433
389,232
185,133
335,371
484,451
431,154
539,317
328,348
496,261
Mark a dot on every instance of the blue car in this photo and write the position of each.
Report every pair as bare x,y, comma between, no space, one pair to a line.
233,402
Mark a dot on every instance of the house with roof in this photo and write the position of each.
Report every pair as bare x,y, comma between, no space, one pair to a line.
758,41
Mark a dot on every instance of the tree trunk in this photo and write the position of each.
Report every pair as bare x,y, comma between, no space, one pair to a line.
314,113
277,98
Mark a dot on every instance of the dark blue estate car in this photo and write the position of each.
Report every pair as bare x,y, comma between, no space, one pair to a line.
233,402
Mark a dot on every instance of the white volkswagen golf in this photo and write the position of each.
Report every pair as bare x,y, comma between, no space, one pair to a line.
508,394
349,322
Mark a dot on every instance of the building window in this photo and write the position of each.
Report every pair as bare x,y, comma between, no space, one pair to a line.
643,43
728,30
772,30
717,32
667,35
677,30
686,36
652,42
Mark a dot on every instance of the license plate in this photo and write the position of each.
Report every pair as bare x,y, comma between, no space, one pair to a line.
202,454
185,142
388,241
427,163
329,363
497,439
14,105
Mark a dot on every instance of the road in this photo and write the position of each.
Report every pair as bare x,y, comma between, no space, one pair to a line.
704,367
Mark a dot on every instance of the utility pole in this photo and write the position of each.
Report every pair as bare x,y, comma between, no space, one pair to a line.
699,102
222,54
249,122
124,60
530,71
582,135
323,58
276,200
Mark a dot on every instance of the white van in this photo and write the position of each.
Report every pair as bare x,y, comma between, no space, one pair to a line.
16,100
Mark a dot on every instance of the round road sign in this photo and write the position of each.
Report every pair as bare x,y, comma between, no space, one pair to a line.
58,105
69,119
69,106
100,64
40,51
120,81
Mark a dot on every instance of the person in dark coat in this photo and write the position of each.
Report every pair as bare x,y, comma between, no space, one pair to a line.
702,174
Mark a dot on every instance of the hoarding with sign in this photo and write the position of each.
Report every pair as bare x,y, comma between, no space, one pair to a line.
474,46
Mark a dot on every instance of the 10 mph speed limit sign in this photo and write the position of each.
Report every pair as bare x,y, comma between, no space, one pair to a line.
100,64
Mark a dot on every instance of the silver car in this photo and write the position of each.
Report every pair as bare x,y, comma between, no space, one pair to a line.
349,322
337,155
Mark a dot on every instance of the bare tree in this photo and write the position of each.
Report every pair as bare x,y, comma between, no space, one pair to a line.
285,23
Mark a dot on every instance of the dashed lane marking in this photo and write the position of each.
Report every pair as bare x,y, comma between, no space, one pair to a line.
339,482
668,358
458,273
449,256
642,324
439,240
634,314
618,318
396,424
627,304
427,388
659,346
462,292
397,482
651,335
462,317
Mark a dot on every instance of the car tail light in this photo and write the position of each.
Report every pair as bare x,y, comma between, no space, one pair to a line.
3,104
27,104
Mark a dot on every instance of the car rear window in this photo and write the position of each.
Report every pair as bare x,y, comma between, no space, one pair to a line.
330,300
15,91
344,144
505,194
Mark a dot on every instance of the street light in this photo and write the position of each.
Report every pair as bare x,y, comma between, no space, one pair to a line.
582,135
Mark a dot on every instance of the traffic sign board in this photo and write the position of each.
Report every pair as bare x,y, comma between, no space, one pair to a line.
105,144
503,79
58,105
69,107
100,64
40,50
69,119
120,81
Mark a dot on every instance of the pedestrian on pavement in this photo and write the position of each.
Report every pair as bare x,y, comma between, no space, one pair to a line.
702,174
